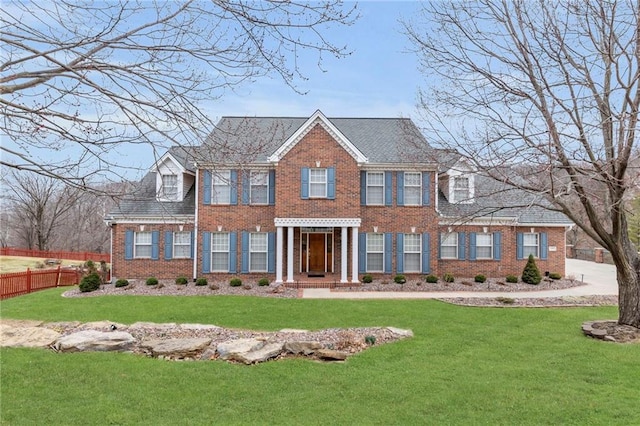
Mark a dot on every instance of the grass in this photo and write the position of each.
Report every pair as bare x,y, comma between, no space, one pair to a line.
20,263
464,366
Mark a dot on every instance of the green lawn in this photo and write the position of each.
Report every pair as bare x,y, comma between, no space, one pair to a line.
464,366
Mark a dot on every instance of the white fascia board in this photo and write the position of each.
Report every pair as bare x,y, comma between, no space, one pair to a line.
168,156
419,167
152,220
318,118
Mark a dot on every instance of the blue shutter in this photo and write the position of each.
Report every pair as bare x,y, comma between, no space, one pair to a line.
426,253
168,245
233,252
272,187
363,188
331,183
155,249
426,189
544,246
128,245
439,245
244,267
399,253
206,252
388,252
461,245
206,197
192,245
246,186
497,245
388,188
519,245
304,183
472,246
362,252
400,191
271,253
233,192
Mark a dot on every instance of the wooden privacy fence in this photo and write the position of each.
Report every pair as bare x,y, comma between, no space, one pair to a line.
19,283
70,255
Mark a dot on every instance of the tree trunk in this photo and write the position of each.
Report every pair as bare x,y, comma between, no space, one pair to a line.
628,273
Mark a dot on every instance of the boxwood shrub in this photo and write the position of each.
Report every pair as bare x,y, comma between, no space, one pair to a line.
235,282
152,281
90,282
122,283
480,278
201,281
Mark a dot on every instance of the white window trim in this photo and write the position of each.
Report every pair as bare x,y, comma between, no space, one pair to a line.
265,185
213,251
368,185
419,253
419,186
136,244
219,175
265,251
188,245
455,240
490,247
367,252
537,246
325,183
163,188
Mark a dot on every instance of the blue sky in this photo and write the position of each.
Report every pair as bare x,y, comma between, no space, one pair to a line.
379,79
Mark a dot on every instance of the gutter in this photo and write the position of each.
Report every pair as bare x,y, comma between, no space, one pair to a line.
195,227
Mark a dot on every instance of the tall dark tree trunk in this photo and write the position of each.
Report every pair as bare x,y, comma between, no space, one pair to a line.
628,273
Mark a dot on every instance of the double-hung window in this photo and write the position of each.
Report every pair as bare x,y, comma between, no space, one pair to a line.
182,244
461,191
375,188
484,246
259,187
449,245
412,252
375,252
169,190
531,245
258,252
412,188
221,187
318,183
219,252
142,245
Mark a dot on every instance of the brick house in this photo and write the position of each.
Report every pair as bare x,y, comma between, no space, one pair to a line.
291,198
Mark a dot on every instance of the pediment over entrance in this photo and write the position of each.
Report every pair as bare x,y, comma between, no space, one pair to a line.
317,222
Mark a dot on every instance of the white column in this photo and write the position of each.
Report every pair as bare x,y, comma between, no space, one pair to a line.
279,249
354,255
343,255
290,254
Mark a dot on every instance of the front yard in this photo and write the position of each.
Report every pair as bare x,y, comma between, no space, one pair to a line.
464,366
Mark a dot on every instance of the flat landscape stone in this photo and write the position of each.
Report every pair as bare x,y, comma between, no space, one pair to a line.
31,337
93,340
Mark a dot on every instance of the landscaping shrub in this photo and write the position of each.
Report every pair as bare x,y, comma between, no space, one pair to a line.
431,279
182,280
263,282
400,279
511,279
122,283
531,273
367,279
152,281
370,340
480,278
201,281
235,282
448,278
90,282
555,276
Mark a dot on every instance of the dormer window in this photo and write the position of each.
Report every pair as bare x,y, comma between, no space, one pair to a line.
169,188
461,190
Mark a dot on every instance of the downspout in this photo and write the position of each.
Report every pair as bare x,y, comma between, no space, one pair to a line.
111,251
195,227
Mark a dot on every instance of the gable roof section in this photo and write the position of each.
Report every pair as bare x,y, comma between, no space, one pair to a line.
249,140
181,156
318,118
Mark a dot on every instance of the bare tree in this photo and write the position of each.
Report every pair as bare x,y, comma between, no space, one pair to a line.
81,79
38,205
553,86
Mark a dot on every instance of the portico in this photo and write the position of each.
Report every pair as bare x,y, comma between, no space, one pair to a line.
315,246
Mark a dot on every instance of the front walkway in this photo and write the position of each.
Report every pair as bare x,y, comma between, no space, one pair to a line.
599,279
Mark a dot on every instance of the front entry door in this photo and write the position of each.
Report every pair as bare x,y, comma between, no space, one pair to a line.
317,253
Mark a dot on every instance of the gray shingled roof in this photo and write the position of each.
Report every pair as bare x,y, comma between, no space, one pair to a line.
496,199
254,139
142,202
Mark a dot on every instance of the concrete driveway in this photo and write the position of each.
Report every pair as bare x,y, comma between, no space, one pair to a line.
598,279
